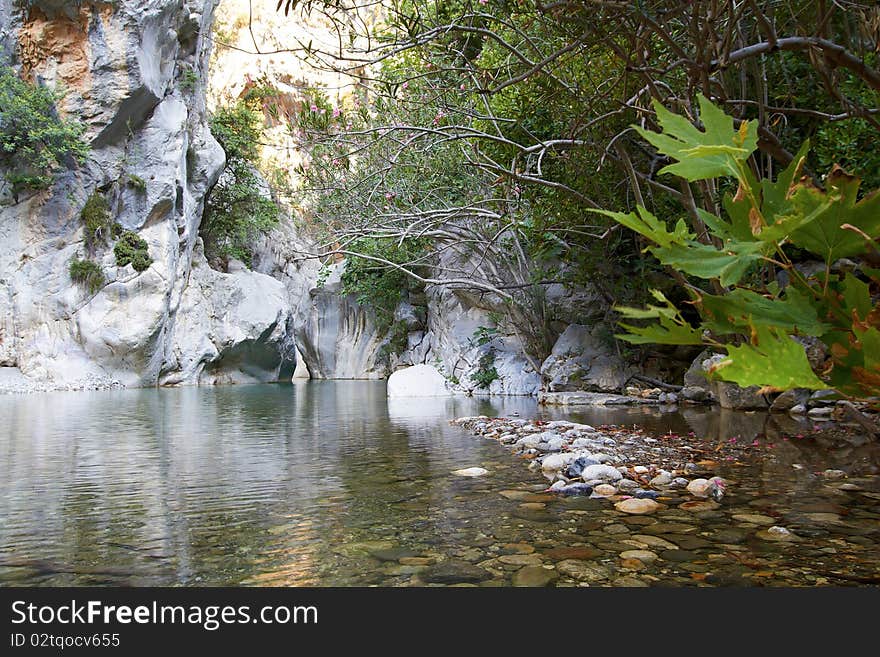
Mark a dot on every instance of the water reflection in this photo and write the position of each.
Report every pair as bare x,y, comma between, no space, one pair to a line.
270,485
213,485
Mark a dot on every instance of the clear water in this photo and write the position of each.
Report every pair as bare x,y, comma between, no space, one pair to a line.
289,485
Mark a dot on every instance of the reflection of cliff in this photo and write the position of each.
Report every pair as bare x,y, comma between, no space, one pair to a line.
167,486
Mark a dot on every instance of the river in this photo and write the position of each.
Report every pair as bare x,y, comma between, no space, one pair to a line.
330,483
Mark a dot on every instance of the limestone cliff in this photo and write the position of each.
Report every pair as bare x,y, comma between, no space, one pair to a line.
134,72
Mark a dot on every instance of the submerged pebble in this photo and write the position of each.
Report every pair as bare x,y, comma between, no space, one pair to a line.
709,529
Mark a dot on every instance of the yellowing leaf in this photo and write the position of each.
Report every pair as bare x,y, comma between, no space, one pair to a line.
715,151
756,221
671,327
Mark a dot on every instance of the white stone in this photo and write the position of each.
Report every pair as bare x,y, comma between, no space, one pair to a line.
699,487
555,462
627,485
661,479
471,472
645,556
417,381
556,444
603,473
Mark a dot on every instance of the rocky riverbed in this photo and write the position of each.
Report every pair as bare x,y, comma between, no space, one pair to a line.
623,508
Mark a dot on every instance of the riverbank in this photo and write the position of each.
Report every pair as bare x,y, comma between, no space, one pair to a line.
670,507
13,382
637,463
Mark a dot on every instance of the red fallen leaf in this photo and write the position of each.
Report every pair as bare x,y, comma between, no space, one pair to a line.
699,576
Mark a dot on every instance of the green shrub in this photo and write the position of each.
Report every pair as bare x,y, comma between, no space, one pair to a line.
137,183
34,141
767,223
486,372
132,248
236,211
188,80
95,217
86,273
377,285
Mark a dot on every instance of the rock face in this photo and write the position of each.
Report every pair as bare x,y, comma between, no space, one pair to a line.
454,318
580,361
122,64
135,73
231,328
337,337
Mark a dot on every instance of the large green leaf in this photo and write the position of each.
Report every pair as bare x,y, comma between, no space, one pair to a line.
825,235
740,309
705,261
856,297
671,328
645,223
773,361
678,248
715,151
724,229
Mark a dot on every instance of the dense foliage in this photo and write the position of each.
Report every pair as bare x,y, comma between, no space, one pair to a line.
95,217
86,273
491,127
132,249
375,281
767,295
237,210
35,143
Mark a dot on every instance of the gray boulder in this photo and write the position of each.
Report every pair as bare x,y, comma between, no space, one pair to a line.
789,399
581,361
